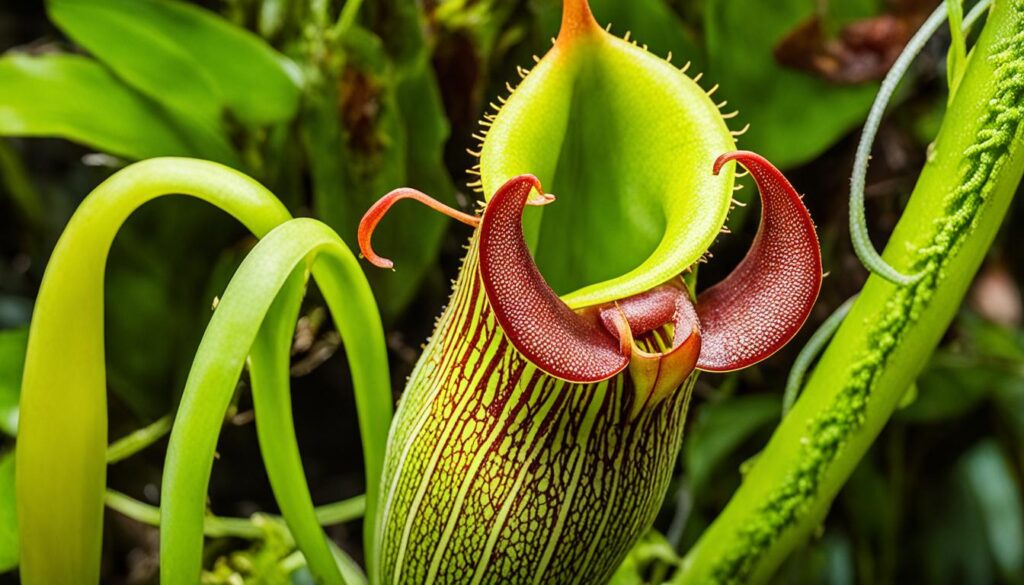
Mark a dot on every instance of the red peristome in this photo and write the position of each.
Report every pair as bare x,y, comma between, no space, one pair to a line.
761,305
545,330
377,211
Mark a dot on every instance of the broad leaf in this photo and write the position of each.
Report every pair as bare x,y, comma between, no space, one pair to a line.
720,428
75,98
184,56
793,115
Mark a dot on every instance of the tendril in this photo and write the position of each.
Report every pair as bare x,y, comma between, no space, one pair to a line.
373,216
810,352
865,251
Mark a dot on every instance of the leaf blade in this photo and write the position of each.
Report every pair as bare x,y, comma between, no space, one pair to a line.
203,49
72,97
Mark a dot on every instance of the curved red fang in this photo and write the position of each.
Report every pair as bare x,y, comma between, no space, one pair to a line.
645,311
656,375
377,211
761,305
676,364
649,310
545,330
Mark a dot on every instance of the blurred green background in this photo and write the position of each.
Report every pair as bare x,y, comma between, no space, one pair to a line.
331,104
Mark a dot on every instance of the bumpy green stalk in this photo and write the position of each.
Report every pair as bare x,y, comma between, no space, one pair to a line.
953,215
61,467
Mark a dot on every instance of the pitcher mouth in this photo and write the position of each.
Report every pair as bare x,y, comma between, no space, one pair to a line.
736,323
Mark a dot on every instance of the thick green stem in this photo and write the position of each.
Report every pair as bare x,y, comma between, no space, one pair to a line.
954,213
61,467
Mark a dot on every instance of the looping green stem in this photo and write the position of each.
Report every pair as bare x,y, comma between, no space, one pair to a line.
62,442
61,467
256,316
870,257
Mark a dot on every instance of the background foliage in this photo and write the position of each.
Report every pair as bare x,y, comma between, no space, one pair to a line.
331,104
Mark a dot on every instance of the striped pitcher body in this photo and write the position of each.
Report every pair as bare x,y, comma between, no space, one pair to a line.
538,434
499,473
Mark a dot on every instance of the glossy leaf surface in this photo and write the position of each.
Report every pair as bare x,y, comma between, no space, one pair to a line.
793,115
184,56
72,97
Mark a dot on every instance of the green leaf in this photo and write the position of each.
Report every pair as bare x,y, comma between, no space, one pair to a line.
651,549
627,144
75,98
185,56
12,361
401,144
793,115
62,436
992,483
720,428
8,515
269,361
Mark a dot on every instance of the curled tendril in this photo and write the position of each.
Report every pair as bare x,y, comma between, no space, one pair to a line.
373,216
866,252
